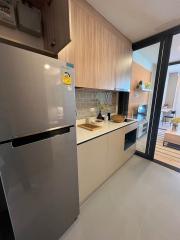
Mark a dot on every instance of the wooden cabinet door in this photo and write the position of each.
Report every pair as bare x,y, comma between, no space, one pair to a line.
84,33
56,25
101,54
124,64
104,45
81,51
92,49
93,53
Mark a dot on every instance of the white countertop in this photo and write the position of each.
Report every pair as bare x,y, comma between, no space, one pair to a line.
84,135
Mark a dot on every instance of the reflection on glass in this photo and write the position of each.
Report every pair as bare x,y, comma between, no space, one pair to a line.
142,85
168,145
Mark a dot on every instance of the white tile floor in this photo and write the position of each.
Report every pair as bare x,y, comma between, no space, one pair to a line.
140,202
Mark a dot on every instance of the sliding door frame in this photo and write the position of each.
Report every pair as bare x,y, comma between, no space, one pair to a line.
174,63
160,80
165,40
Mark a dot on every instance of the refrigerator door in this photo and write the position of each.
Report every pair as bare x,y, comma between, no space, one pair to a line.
40,182
36,93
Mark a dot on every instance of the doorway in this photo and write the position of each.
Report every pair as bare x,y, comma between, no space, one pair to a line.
144,69
167,148
150,89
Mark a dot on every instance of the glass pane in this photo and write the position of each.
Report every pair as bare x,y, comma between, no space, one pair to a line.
142,85
168,139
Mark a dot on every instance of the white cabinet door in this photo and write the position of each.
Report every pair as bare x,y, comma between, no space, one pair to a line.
92,162
115,151
99,158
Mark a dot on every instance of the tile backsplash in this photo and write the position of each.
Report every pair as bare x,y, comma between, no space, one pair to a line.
89,102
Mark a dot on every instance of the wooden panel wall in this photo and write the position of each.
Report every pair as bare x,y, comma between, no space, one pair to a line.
97,49
171,89
136,98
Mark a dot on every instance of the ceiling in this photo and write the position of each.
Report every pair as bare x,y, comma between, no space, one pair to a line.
138,19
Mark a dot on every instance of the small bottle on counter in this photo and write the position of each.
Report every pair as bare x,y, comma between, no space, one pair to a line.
109,116
100,116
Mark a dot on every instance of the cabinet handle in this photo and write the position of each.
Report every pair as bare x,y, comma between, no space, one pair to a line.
53,43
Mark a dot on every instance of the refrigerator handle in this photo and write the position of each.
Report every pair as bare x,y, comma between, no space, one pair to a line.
17,142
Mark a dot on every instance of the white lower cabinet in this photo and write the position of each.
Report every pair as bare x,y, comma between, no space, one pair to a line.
115,156
92,162
99,158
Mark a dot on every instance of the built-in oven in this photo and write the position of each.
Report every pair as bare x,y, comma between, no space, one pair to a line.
130,139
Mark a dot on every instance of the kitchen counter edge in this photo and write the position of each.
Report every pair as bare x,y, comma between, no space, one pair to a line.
106,128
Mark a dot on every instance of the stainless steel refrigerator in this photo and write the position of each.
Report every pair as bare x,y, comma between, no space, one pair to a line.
38,158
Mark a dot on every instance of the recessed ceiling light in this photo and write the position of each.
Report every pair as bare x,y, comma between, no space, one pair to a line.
47,66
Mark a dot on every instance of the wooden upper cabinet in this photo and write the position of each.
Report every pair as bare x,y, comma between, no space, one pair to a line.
84,46
124,65
101,54
39,25
105,53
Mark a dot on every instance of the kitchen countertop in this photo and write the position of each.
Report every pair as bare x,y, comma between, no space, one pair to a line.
84,135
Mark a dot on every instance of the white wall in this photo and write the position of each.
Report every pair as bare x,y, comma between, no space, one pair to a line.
165,89
171,89
153,77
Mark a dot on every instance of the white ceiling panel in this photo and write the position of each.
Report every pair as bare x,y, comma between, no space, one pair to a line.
138,19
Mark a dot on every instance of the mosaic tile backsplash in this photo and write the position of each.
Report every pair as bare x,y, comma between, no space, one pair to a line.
89,102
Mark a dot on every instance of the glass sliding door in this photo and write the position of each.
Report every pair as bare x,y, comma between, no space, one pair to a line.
149,70
168,139
144,70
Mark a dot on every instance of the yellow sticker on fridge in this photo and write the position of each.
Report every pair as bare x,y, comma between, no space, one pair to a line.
66,78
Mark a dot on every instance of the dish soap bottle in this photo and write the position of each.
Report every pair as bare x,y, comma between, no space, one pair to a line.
100,115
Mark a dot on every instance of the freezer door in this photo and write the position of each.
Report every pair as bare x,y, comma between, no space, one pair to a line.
40,181
36,93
